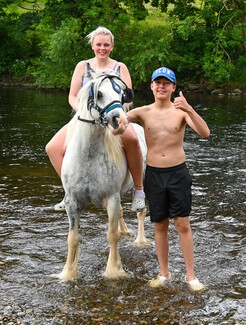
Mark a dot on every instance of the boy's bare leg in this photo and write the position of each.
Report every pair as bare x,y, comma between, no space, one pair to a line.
186,243
162,246
182,225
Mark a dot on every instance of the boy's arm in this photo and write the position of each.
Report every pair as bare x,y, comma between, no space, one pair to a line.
133,114
194,120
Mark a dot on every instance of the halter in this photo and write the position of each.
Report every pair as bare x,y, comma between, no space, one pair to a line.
126,98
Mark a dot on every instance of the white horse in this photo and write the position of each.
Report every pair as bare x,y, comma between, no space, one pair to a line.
94,169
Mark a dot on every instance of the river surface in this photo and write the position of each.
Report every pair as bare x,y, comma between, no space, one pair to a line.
33,237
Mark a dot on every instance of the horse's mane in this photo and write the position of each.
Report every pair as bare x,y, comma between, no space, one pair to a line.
112,143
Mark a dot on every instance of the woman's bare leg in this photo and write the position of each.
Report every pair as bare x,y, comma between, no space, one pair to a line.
55,149
134,156
135,164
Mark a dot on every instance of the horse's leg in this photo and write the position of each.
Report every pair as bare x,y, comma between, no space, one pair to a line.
122,227
141,239
114,267
70,270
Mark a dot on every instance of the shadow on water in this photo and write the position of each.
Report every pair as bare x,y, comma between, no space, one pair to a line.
33,237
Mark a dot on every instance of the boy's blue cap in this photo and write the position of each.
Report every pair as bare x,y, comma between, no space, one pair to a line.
164,72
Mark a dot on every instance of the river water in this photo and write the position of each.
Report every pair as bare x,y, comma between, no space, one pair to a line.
33,236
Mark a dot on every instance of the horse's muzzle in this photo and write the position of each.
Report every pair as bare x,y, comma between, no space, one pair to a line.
115,123
116,117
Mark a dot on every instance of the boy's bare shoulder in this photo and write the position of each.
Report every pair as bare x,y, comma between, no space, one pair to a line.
138,113
143,108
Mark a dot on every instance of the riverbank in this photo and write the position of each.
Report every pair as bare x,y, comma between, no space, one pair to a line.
201,87
220,90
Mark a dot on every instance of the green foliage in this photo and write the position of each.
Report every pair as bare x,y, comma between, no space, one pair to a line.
207,37
240,65
66,36
224,45
215,66
59,53
197,39
180,8
18,42
147,48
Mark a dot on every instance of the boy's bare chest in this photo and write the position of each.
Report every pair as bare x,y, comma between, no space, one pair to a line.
167,122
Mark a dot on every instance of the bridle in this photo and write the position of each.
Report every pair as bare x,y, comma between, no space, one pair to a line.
127,97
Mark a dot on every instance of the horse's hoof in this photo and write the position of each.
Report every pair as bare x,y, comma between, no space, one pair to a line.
116,275
63,277
142,242
126,233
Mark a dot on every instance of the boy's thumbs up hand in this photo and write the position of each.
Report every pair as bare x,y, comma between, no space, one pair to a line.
181,103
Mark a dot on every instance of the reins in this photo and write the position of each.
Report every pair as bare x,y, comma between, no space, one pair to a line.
87,121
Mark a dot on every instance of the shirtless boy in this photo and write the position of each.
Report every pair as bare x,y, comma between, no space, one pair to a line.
167,180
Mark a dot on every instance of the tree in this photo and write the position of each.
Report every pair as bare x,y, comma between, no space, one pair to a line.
18,40
66,24
208,35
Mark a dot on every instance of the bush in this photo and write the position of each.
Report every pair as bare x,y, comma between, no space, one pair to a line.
60,53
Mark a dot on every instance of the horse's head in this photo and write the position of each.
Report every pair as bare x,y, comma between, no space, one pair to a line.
106,96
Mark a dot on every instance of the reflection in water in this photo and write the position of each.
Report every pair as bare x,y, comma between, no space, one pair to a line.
33,237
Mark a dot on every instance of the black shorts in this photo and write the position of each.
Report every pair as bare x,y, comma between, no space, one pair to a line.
168,192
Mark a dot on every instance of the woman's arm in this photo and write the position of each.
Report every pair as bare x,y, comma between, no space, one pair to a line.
125,75
76,84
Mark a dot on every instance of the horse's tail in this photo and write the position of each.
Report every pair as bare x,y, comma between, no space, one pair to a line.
113,147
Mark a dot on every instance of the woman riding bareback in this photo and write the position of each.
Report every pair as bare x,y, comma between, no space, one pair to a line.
102,43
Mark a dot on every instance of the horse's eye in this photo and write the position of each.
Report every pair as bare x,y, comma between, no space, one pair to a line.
99,94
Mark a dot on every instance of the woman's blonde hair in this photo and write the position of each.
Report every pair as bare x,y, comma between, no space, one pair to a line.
99,31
